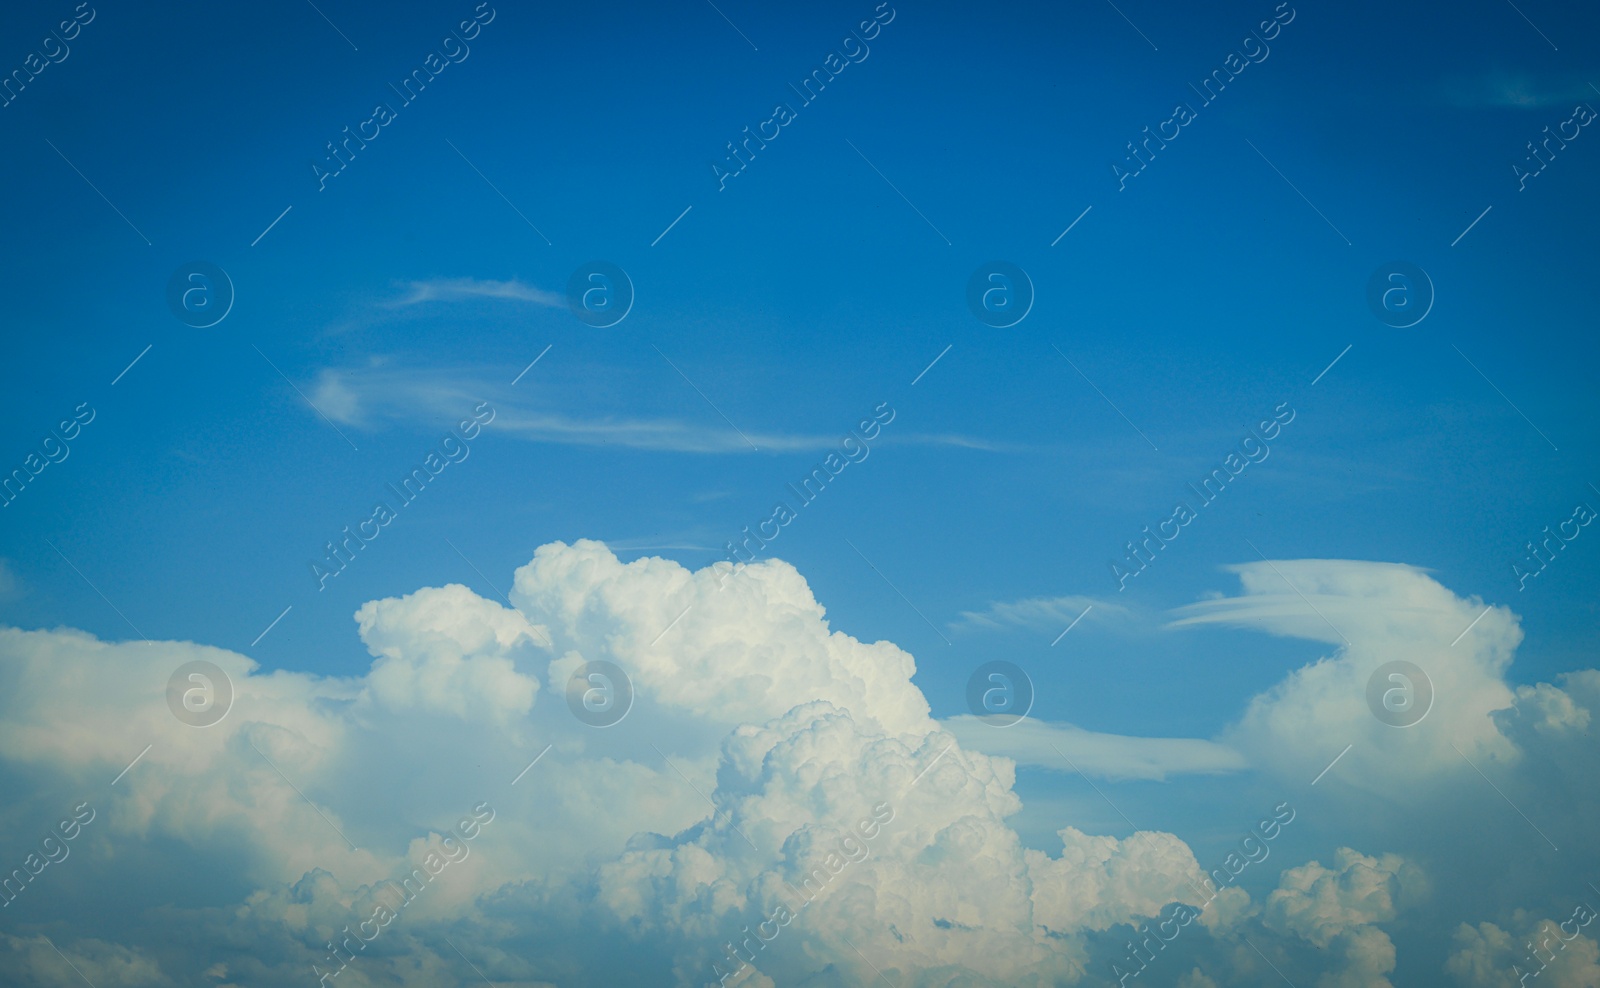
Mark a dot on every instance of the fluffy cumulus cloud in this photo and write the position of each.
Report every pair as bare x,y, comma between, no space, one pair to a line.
778,807
1487,956
920,874
1320,903
1100,881
448,649
1337,909
1554,711
731,648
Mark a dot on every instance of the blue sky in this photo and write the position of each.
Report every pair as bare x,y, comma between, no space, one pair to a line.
821,281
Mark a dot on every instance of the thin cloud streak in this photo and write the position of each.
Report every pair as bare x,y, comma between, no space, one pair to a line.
368,397
459,289
1106,756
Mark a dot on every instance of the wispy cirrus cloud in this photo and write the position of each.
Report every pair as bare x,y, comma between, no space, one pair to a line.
1039,613
1517,90
458,289
384,392
1109,756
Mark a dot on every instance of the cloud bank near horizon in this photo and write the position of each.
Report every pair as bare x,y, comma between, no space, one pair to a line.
665,848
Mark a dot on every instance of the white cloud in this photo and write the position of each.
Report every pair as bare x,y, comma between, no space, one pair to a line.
30,960
1196,979
1385,612
1554,711
1361,958
333,398
1336,909
447,649
941,884
1100,881
383,392
1319,903
1487,956
604,865
1045,614
457,289
796,733
1110,756
744,647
